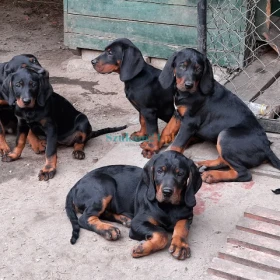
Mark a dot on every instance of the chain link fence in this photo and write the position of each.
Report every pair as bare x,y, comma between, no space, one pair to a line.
243,44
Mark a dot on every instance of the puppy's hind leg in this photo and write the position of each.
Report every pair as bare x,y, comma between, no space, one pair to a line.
90,220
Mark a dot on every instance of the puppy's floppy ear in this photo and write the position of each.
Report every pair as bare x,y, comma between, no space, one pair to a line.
207,81
8,69
194,184
45,88
166,76
7,91
148,178
132,62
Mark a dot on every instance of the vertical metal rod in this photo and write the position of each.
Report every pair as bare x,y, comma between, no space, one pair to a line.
201,26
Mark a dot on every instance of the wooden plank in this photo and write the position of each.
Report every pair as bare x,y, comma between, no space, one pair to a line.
170,34
263,214
251,258
257,77
270,96
189,3
174,35
154,49
228,270
260,228
270,125
148,48
135,11
255,242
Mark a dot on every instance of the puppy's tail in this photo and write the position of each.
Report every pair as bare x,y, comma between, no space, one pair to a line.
106,130
273,158
71,213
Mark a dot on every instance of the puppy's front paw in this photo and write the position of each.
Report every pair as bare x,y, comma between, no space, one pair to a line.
10,157
78,155
139,250
46,173
112,233
4,148
179,249
208,177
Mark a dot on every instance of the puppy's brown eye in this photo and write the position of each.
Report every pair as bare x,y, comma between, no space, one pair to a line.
110,52
183,66
180,174
159,171
34,61
17,84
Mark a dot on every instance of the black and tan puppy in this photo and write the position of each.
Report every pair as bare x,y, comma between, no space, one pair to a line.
7,117
158,198
142,89
211,112
48,114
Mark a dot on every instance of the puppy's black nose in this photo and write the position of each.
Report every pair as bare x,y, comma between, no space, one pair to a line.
188,85
167,192
94,61
26,101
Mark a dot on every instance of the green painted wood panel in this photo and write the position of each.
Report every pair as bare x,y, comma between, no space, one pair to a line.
153,12
157,27
112,28
135,11
189,3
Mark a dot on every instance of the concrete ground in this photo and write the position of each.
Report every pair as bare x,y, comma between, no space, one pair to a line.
35,231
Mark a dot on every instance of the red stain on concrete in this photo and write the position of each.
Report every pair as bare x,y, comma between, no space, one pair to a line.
214,193
200,205
248,185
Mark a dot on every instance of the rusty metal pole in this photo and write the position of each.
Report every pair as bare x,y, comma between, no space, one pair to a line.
201,26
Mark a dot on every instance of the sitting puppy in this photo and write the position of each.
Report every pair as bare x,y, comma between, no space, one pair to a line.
158,199
142,89
7,117
48,114
211,112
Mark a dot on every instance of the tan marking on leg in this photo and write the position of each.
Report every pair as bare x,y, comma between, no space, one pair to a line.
211,163
16,153
4,147
215,176
157,242
106,230
3,102
37,145
179,247
136,136
170,131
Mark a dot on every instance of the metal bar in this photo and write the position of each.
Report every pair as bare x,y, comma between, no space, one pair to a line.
201,26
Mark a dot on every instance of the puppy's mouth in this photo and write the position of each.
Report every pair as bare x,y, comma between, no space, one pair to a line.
26,103
105,68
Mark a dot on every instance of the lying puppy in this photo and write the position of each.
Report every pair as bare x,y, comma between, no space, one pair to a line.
211,112
48,114
163,201
142,89
7,117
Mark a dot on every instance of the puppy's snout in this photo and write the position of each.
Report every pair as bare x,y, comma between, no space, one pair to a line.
26,101
94,62
167,192
188,85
